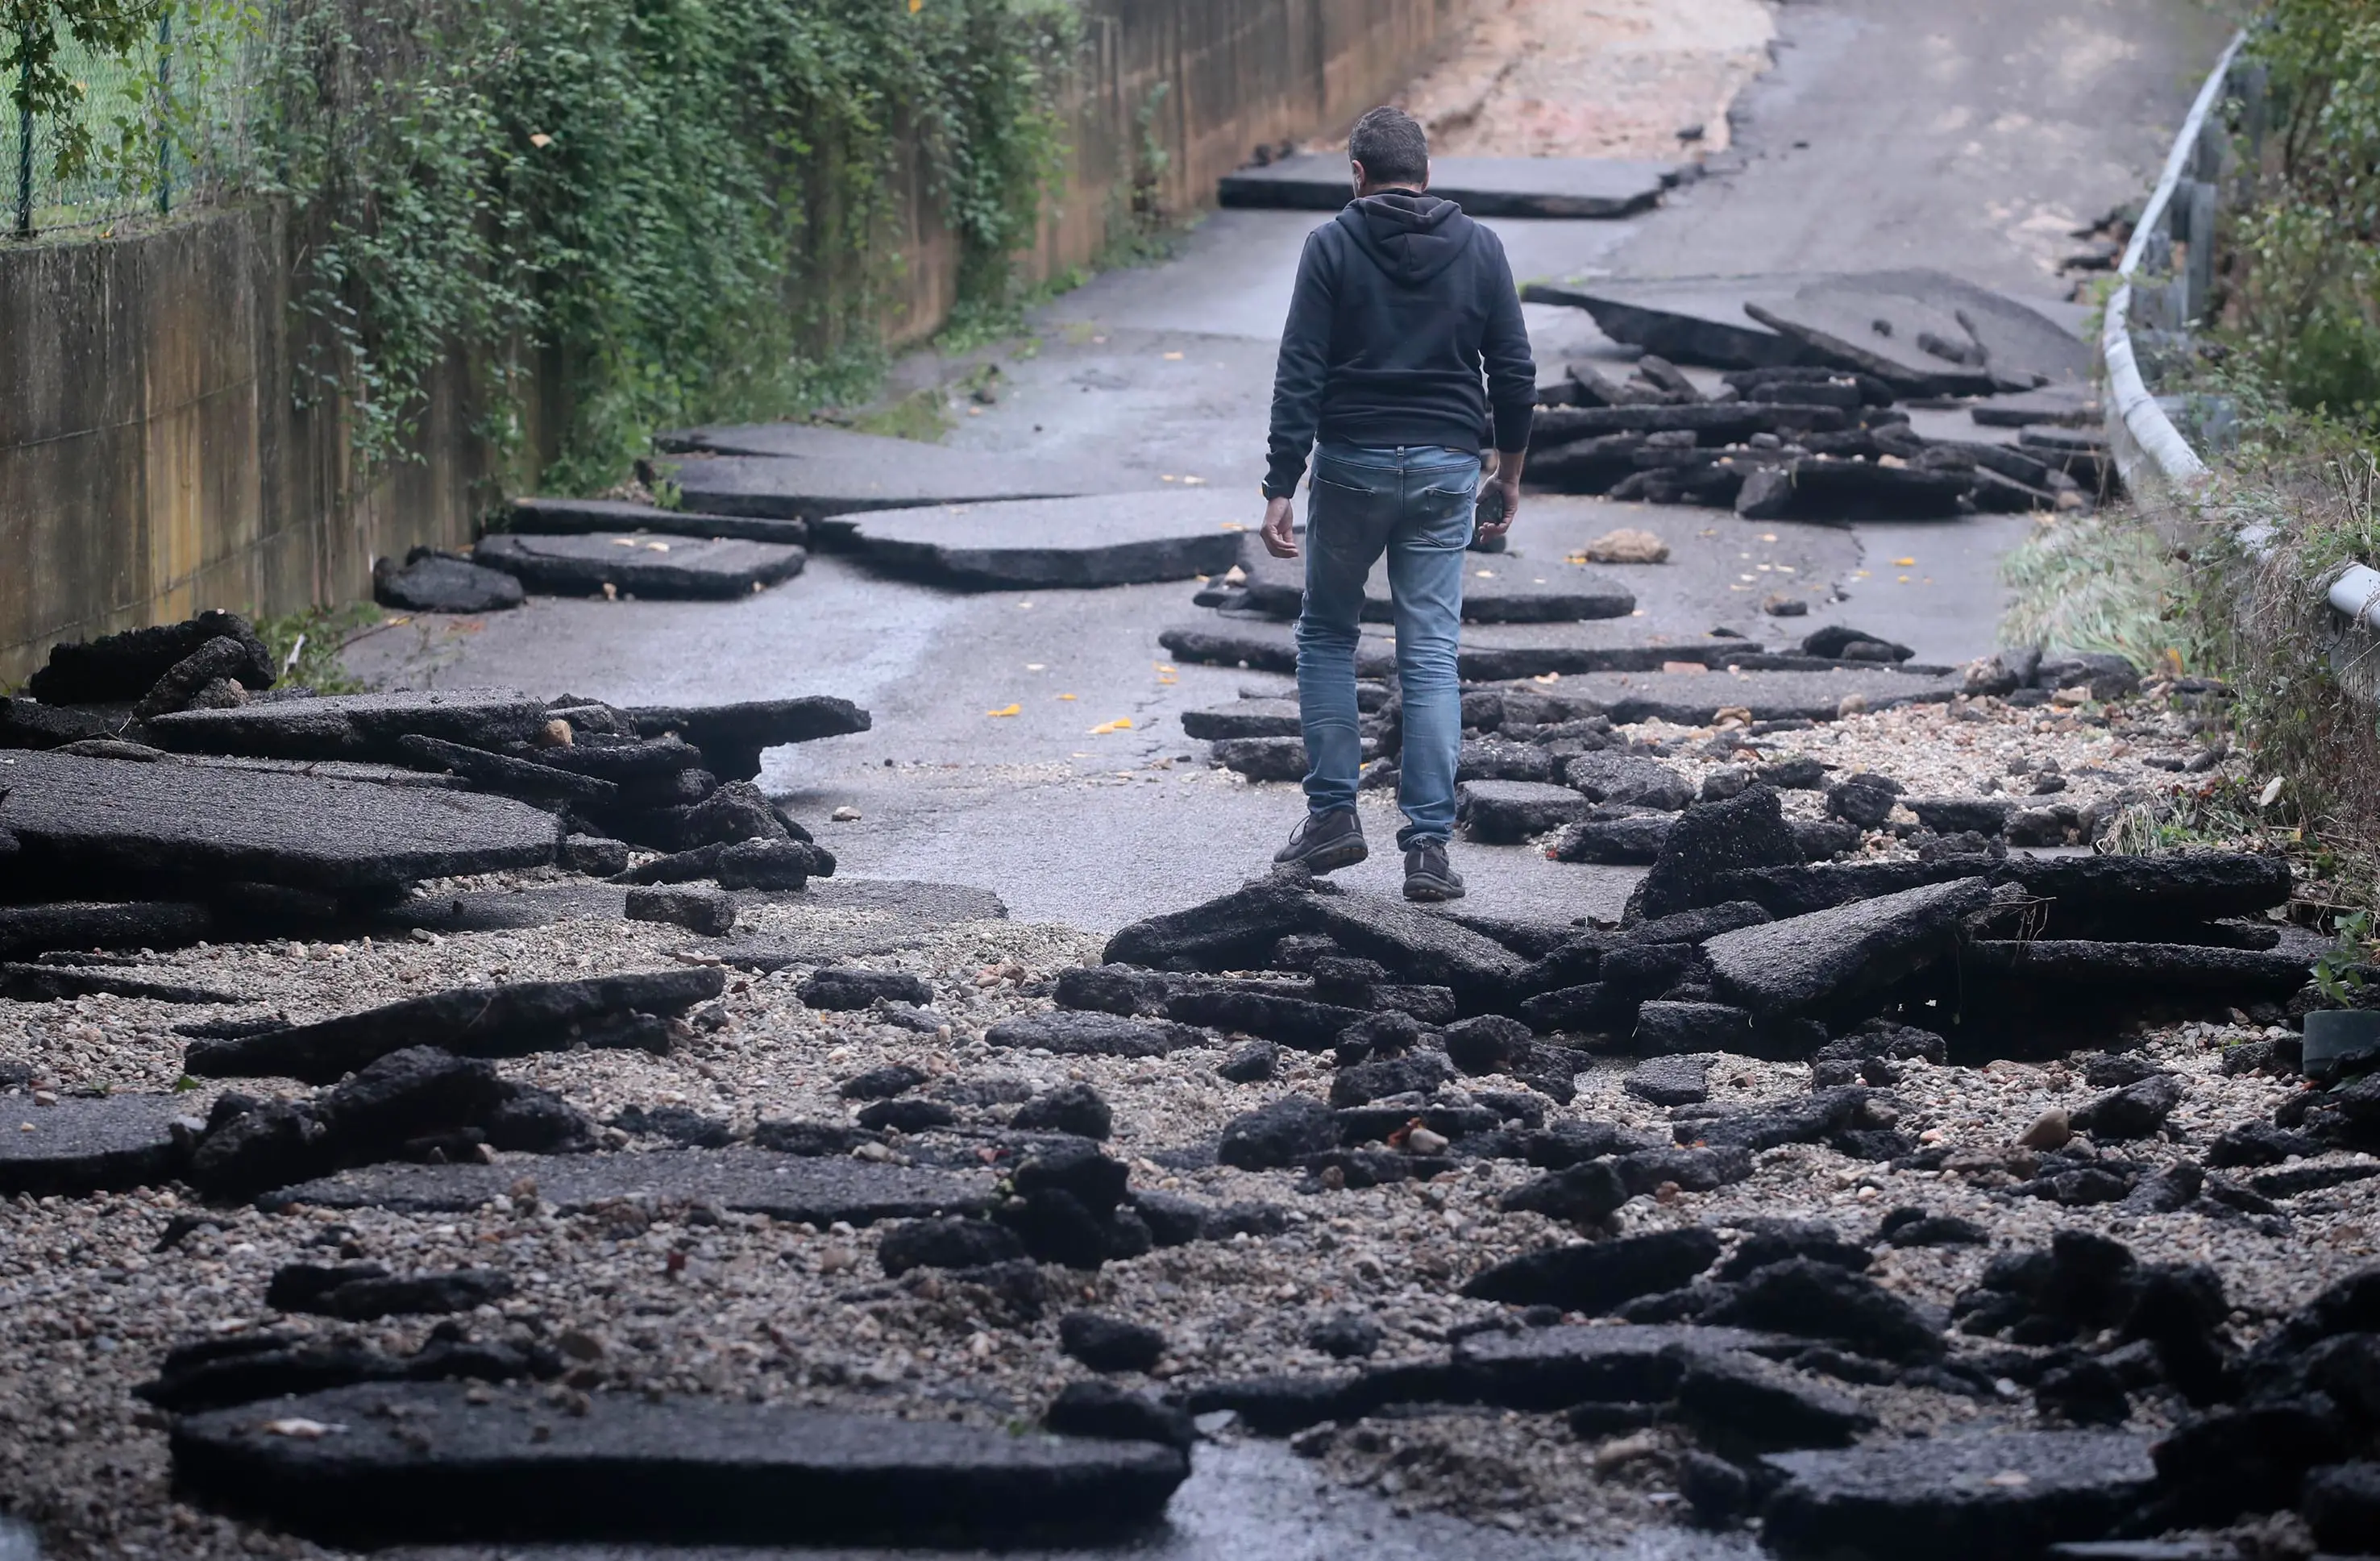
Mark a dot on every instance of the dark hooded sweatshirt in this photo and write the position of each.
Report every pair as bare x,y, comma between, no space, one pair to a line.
1402,304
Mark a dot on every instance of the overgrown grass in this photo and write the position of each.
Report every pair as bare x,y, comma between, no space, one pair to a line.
308,647
2098,582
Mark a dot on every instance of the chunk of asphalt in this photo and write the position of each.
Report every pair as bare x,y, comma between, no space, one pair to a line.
352,726
821,487
848,988
80,1146
1263,758
1244,718
1102,1409
2192,887
1260,646
566,517
1671,1080
732,736
946,1243
699,568
753,864
50,983
1077,1034
1814,1300
1709,840
220,657
1630,778
1234,931
2045,972
1594,1277
79,924
363,1292
1507,812
1551,1368
1801,962
86,823
118,669
1417,946
1614,841
428,1462
794,1188
1033,544
1743,1405
1293,1021
501,772
429,581
1110,1344
505,1021
2137,1110
1956,1498
1278,1134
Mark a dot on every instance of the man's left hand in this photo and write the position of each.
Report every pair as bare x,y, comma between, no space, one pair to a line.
1279,539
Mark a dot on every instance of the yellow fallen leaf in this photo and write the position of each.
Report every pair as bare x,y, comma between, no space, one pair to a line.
1904,562
1234,525
1173,357
1104,728
540,140
1165,477
1007,710
1161,666
1547,677
1067,697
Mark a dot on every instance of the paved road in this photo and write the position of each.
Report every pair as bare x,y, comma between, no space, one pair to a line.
1892,131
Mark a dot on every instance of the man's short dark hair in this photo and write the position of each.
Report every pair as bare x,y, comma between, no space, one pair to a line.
1392,147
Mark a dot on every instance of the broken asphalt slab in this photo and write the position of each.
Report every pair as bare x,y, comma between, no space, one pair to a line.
506,1020
1807,962
364,727
819,1190
1732,323
88,823
1697,319
1108,539
78,1146
732,736
568,517
1483,187
426,1461
1956,1498
701,568
820,488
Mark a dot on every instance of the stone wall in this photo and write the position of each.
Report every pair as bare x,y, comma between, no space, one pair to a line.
155,459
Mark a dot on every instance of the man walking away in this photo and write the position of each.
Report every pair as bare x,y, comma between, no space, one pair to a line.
1405,358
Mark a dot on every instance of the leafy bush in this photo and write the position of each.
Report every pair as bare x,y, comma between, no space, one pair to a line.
2304,308
677,208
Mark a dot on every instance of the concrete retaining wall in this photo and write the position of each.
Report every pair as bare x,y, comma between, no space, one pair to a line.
154,460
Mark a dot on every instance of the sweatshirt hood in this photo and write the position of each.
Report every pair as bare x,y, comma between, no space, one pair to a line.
1412,237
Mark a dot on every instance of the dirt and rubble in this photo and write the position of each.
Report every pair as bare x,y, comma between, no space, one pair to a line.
1565,1228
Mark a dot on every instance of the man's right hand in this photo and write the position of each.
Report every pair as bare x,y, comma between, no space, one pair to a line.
1279,539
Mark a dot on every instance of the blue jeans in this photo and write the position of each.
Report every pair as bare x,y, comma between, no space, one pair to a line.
1416,503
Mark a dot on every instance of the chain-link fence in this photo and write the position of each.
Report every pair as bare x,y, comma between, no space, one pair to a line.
158,128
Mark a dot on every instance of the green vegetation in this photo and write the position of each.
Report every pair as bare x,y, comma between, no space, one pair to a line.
307,647
2302,310
682,208
2099,582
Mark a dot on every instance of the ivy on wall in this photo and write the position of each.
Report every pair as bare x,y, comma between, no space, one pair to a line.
683,204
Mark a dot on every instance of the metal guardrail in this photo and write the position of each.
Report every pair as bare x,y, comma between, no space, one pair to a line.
2156,459
2149,451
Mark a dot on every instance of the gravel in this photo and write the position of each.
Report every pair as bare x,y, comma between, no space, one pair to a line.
686,1297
